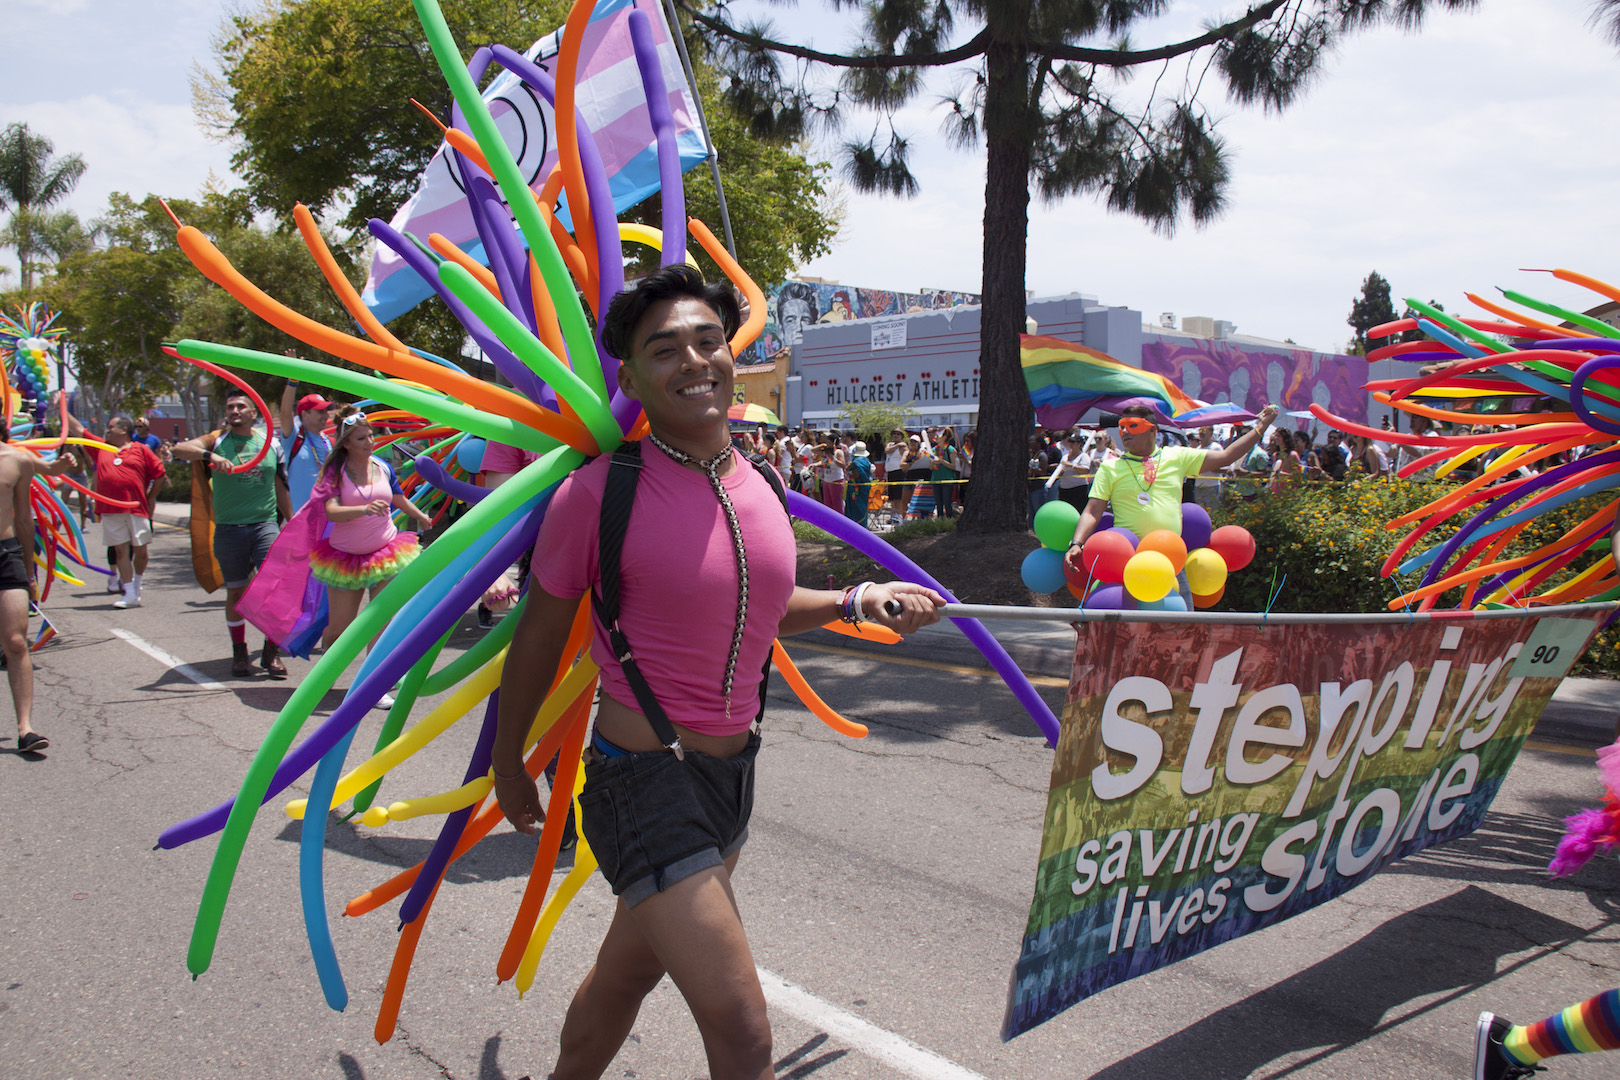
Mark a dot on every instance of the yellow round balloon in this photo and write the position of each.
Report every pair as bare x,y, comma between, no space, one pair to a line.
1206,571
1149,576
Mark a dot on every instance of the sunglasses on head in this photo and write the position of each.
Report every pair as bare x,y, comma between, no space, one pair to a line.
354,418
1136,425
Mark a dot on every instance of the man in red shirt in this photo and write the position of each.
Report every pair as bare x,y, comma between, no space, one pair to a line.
130,473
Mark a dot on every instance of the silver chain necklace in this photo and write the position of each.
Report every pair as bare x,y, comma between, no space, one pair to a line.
711,468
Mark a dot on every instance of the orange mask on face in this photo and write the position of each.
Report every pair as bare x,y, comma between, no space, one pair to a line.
1136,425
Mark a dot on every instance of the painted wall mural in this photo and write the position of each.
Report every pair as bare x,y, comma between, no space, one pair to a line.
1217,371
794,305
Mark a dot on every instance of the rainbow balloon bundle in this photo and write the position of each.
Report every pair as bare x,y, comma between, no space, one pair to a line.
1535,459
27,342
525,311
26,345
1121,571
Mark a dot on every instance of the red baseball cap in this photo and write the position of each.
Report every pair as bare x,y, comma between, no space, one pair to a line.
313,401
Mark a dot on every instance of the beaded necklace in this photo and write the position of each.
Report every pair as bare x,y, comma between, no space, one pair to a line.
711,469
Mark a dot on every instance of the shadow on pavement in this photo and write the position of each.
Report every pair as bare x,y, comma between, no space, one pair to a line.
1441,951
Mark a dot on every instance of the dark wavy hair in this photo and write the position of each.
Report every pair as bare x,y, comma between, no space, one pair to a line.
665,283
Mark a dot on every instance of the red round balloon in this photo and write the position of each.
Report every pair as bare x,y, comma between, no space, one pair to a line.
1234,544
1103,558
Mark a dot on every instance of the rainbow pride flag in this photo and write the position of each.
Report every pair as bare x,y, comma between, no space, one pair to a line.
1066,379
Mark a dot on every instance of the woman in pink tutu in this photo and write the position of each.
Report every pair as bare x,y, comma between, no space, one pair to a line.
364,549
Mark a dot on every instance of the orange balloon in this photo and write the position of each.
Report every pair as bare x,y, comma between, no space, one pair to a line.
218,269
1201,602
1167,544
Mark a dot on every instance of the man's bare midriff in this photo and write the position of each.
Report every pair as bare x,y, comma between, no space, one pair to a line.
628,729
10,475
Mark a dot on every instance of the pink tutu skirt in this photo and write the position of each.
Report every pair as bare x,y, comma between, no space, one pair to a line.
344,570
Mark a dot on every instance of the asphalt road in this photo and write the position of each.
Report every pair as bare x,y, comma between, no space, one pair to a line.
888,879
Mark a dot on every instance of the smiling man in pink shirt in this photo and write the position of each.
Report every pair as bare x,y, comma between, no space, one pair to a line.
707,583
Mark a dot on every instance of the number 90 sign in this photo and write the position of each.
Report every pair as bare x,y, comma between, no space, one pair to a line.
1551,648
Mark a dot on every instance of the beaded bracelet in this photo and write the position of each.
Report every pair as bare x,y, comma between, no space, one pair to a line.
843,605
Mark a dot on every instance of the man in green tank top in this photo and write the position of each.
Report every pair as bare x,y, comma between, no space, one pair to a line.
246,507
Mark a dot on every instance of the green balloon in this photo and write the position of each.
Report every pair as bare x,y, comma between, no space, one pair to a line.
1055,523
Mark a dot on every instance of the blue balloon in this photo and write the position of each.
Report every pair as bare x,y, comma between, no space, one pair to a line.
470,454
1195,526
1043,571
1171,601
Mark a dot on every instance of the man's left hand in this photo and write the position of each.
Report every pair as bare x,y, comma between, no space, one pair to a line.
919,606
1268,415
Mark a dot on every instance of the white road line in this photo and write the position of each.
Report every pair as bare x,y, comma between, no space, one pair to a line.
886,1046
170,660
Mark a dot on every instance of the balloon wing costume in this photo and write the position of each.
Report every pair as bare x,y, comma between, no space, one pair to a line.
1555,392
525,310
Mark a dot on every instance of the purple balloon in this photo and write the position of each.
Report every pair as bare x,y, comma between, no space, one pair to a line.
663,125
1195,526
434,474
1109,598
455,824
873,546
1106,521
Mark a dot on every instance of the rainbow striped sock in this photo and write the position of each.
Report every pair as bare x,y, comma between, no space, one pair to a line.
1594,1024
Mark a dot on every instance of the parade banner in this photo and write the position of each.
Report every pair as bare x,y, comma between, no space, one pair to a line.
1215,778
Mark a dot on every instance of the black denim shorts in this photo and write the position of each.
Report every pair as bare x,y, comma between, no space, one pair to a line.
653,821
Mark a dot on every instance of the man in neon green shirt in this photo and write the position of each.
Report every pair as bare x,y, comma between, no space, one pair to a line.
1143,486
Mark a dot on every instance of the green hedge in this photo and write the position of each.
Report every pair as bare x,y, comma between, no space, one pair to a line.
1322,547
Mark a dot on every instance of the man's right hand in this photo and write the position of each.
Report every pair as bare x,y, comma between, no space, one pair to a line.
519,798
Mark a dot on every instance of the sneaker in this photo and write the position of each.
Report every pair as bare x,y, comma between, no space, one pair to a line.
113,585
32,743
128,600
1490,1060
385,702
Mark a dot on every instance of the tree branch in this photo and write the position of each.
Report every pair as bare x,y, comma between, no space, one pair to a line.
972,47
1117,59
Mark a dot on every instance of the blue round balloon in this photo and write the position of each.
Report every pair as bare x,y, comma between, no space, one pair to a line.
1171,601
1195,526
1042,570
470,454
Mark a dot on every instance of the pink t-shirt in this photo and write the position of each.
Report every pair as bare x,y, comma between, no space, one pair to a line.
678,592
365,534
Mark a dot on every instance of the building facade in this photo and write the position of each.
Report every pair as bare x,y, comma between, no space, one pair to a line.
931,360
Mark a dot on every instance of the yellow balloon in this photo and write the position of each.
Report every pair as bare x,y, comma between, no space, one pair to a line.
584,867
646,234
1149,576
1206,571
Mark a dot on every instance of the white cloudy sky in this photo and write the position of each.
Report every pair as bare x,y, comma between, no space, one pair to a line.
1445,160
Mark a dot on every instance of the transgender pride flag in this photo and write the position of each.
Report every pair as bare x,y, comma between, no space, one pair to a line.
613,106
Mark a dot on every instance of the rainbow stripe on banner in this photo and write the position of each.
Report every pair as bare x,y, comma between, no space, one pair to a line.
1213,778
611,103
1066,379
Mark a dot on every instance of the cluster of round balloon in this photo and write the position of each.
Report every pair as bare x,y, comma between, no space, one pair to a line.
1118,570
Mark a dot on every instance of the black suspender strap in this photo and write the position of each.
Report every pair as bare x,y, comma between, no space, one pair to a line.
618,498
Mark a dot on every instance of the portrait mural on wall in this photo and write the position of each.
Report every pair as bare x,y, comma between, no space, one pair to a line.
794,305
1295,379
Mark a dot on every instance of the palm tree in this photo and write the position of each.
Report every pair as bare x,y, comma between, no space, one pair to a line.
30,181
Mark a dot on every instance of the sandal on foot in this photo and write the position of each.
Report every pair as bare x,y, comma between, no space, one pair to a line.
32,743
